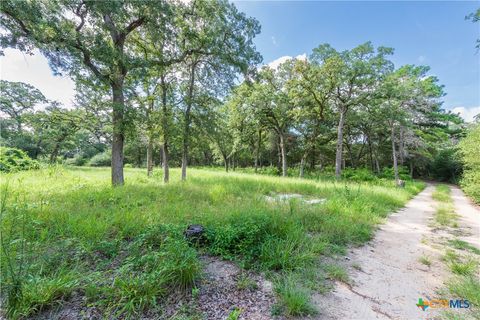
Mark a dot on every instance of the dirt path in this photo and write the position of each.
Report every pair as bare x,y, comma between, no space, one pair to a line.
387,276
469,217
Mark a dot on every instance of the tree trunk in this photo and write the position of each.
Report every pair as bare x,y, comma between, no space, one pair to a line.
160,158
225,162
37,148
150,157
166,169
166,132
302,164
401,148
186,130
257,149
377,164
54,155
394,155
370,153
283,154
338,156
117,136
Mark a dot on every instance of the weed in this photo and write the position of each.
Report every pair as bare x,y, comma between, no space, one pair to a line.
467,288
450,256
425,260
244,282
462,245
336,272
463,268
235,314
442,193
295,300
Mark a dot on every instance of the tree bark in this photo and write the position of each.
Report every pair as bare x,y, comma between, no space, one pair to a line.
166,132
339,150
257,149
401,149
54,155
377,164
302,164
225,162
394,155
283,155
186,130
150,157
166,169
118,135
370,153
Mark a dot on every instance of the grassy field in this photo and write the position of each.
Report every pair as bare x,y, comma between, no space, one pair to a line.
65,231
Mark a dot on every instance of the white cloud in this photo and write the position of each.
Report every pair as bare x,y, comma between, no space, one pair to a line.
422,59
275,63
274,41
467,113
19,67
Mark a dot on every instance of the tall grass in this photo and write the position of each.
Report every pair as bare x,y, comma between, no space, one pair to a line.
124,250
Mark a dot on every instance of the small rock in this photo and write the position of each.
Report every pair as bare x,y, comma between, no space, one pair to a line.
195,232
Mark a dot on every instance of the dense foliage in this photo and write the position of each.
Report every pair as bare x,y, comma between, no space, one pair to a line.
470,151
12,160
164,89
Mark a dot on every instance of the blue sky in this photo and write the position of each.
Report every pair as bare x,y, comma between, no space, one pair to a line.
429,33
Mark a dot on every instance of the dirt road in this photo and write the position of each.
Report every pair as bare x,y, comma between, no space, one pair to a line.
387,275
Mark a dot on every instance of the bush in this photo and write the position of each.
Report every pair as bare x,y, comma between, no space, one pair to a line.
77,160
470,153
360,174
103,159
390,174
242,236
447,166
12,160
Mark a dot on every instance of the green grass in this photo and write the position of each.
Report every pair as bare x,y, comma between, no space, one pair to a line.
466,288
462,245
442,193
465,282
425,260
294,299
336,272
465,268
244,282
124,249
445,214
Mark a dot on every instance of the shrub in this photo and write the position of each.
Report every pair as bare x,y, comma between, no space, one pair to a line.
447,166
360,174
77,160
470,153
103,159
402,173
12,160
239,236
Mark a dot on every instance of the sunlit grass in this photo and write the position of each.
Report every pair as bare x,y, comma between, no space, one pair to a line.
74,219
